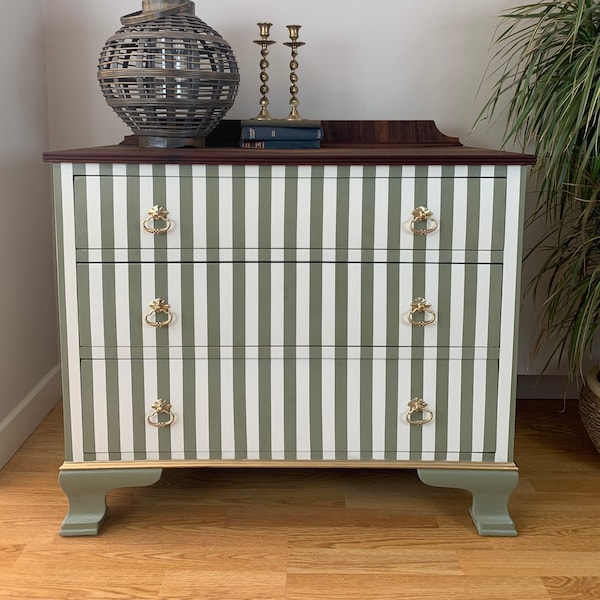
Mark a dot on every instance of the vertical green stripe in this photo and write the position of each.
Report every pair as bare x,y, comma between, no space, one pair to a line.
159,184
188,273
289,308
87,410
499,208
81,217
366,305
185,222
491,403
135,214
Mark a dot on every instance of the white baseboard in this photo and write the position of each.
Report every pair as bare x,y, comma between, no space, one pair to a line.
546,387
22,420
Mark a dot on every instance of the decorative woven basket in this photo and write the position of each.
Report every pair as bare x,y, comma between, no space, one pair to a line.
168,75
589,406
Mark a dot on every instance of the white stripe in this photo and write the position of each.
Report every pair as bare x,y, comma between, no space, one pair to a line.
149,293
251,304
277,411
378,408
227,410
432,294
173,205
277,304
303,315
486,211
404,391
146,203
353,408
379,304
353,326
355,206
252,409
176,302
479,416
125,410
328,412
226,303
277,212
481,309
302,410
199,200
251,193
176,398
434,204
97,309
303,208
93,204
382,187
328,304
100,406
120,202
200,305
407,205
202,415
460,215
150,396
429,396
406,296
329,207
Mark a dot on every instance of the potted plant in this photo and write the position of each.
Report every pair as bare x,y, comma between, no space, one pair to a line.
546,75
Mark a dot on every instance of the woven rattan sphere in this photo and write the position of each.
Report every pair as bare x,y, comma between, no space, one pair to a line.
171,79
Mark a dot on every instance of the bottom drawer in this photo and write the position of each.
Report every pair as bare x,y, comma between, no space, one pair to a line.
287,409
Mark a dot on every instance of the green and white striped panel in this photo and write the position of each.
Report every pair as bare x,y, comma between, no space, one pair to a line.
313,213
288,304
277,408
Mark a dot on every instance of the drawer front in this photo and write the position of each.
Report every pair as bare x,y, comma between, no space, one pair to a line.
289,304
293,208
288,409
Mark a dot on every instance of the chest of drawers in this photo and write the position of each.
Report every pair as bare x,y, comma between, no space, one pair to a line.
351,306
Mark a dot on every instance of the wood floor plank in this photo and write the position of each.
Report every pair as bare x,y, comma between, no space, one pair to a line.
572,588
334,586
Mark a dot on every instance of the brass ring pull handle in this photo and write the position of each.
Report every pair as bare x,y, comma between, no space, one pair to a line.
157,213
159,307
418,405
422,214
161,407
421,306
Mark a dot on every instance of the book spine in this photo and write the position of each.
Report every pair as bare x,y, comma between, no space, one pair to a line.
280,144
282,133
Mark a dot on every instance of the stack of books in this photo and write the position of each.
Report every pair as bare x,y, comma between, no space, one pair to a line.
281,133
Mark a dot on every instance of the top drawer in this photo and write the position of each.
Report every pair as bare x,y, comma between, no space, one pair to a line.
302,208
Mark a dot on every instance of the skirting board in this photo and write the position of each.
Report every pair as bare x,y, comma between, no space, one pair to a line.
546,387
21,422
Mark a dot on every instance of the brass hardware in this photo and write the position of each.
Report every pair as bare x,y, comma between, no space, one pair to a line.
157,213
294,44
418,405
161,407
422,214
264,42
421,306
159,306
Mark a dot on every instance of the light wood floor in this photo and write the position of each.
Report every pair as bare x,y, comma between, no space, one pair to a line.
307,534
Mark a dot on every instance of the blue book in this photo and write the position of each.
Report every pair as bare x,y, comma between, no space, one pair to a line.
280,144
266,132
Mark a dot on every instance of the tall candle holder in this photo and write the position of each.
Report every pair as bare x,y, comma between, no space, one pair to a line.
294,44
264,42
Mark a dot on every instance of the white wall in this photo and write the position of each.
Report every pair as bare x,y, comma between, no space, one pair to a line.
29,375
385,59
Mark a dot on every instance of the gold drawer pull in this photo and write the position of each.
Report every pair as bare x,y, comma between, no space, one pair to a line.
157,213
161,407
422,214
159,307
418,405
421,306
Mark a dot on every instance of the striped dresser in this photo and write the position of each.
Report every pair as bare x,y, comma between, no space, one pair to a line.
340,307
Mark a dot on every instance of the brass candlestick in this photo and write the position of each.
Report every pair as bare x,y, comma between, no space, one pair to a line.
264,42
294,45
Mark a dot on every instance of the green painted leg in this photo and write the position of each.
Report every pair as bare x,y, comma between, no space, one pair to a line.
491,491
87,489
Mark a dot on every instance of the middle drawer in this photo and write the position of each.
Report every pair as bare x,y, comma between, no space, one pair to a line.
289,304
